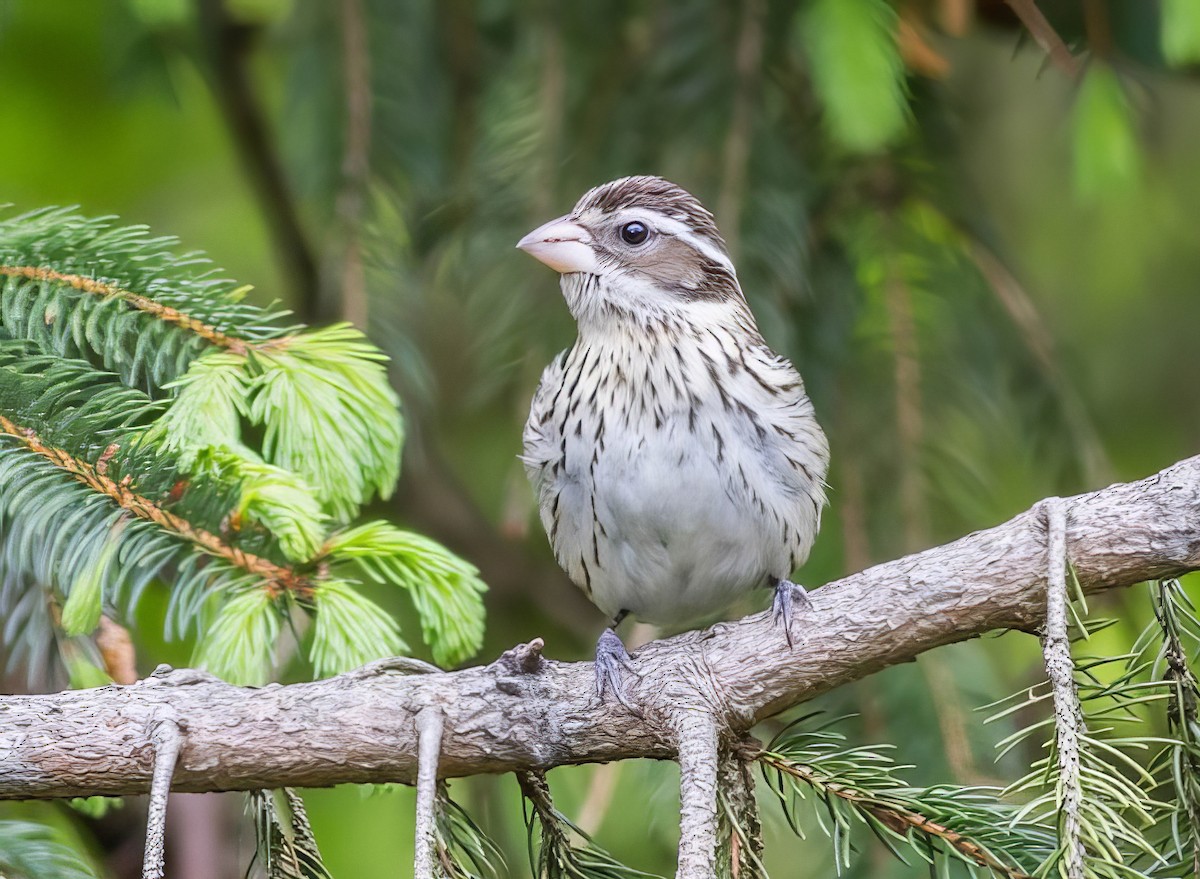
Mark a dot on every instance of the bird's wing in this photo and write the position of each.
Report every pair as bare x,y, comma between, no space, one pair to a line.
543,433
794,440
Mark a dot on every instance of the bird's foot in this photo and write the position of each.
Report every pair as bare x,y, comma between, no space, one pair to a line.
611,657
788,596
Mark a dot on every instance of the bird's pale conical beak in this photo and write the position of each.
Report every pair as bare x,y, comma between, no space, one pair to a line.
562,245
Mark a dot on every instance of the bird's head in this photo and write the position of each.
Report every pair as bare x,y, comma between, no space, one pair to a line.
640,247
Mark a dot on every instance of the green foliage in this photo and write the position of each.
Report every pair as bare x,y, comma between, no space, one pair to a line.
1137,816
239,644
144,350
286,847
36,851
350,630
464,851
551,852
1107,155
329,414
860,786
321,400
156,427
857,72
1173,643
446,590
278,500
1180,32
81,612
96,807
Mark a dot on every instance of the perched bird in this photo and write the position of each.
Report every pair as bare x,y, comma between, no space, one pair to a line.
676,458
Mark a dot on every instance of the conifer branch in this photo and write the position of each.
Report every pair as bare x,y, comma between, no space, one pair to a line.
893,814
165,313
277,578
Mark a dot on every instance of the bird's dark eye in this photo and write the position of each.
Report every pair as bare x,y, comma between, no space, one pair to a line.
635,233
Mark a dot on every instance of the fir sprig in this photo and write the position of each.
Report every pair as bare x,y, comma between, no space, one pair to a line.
862,786
155,426
1121,816
446,590
463,850
286,847
84,288
1174,641
551,852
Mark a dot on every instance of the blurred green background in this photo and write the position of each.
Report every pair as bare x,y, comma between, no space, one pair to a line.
984,264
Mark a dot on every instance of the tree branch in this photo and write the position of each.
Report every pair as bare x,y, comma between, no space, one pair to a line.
167,740
698,758
525,712
429,740
1060,669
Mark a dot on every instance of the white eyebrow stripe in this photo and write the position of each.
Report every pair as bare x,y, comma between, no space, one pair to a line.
670,226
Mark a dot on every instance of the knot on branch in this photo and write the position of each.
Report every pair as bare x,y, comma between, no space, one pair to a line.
518,663
524,659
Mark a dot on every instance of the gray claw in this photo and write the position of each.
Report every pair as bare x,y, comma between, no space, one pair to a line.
787,596
611,657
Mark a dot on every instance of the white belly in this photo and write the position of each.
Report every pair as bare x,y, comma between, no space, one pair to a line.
673,536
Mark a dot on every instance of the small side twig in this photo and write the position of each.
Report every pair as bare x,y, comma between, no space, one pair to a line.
429,737
167,739
1046,36
698,759
1060,669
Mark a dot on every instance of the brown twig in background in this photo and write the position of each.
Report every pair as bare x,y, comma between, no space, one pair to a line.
228,45
1046,36
116,650
348,297
551,111
910,433
738,139
1023,312
1098,27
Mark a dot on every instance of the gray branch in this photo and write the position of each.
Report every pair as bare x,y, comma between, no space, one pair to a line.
524,712
1060,669
698,757
166,740
429,742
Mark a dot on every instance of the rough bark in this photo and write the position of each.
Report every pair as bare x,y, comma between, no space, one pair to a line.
525,712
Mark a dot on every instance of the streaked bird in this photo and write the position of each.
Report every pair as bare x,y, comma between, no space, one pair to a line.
676,458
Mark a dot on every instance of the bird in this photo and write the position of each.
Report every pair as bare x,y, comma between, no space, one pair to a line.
676,459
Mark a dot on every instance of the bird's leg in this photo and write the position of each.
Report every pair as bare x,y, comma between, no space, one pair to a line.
611,657
787,596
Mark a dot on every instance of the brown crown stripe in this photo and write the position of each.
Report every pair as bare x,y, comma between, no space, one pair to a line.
278,578
141,303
